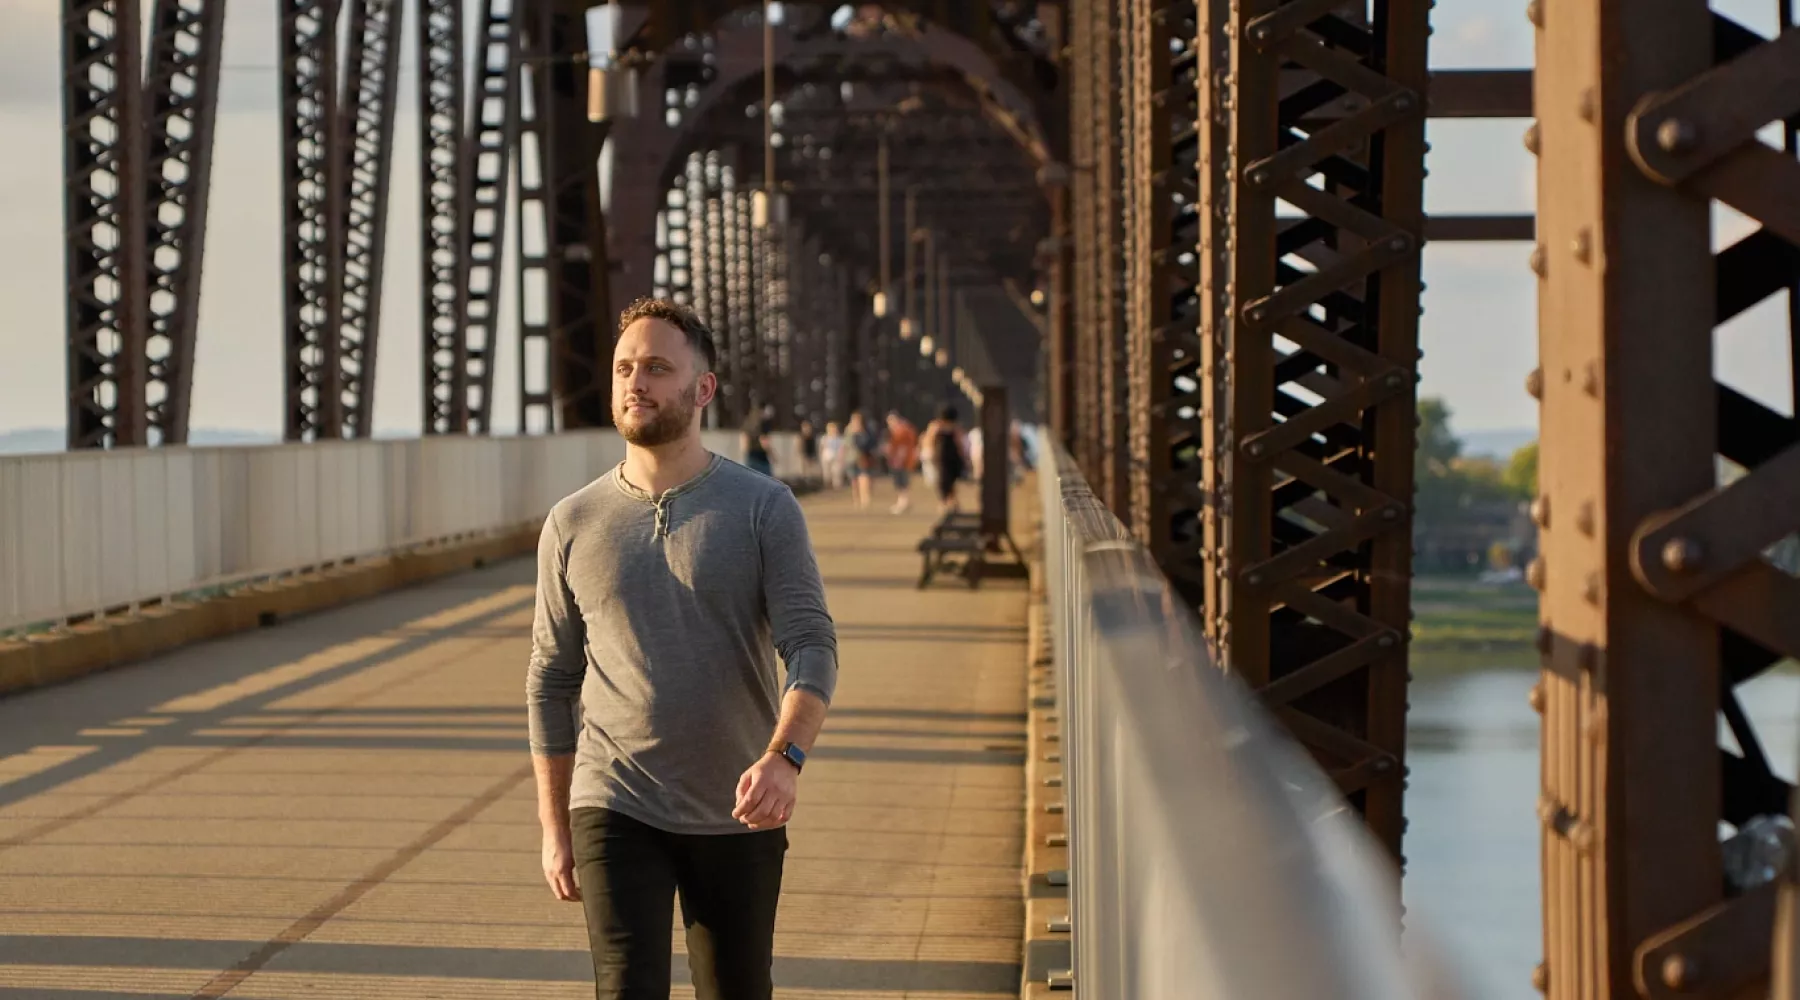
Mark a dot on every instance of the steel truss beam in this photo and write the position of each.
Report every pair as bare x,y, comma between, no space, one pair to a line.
444,190
1312,407
487,170
1658,600
565,314
337,153
137,159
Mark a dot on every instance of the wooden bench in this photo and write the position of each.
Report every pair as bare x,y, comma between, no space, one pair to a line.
961,543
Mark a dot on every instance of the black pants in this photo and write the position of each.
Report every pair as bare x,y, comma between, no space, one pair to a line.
630,874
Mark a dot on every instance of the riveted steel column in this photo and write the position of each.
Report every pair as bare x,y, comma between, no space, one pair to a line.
1317,498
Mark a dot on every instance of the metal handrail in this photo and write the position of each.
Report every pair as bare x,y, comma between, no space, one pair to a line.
1208,855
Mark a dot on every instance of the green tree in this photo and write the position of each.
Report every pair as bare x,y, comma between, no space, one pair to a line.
1521,471
1438,446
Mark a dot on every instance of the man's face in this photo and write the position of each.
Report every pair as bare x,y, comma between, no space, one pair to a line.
658,388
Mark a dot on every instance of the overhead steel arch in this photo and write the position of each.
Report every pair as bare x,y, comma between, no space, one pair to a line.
646,152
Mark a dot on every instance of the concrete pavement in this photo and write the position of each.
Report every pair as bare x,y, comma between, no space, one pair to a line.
341,807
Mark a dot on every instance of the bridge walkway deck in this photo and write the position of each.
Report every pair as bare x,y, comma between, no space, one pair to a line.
340,806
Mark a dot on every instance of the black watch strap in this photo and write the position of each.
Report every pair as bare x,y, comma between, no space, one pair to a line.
790,753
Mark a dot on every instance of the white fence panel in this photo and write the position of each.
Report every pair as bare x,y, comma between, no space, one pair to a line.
84,532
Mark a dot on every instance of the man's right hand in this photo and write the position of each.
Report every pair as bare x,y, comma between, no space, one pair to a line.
559,865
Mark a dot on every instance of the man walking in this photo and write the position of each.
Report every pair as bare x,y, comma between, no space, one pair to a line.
902,456
667,749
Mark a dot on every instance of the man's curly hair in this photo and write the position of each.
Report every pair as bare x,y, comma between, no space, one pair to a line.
682,318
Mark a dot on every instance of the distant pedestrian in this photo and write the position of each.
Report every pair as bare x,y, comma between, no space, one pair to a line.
756,443
860,446
947,453
667,747
809,452
902,457
831,455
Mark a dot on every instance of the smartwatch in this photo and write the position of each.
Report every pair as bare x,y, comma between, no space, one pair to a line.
790,753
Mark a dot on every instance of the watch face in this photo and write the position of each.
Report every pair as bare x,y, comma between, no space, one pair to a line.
795,754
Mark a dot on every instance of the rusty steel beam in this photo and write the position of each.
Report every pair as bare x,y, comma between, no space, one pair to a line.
371,91
137,159
1480,228
1480,93
104,211
1657,600
487,168
1164,321
182,100
444,193
313,223
1111,210
1312,538
565,314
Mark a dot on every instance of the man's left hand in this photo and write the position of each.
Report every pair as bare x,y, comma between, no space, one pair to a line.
766,793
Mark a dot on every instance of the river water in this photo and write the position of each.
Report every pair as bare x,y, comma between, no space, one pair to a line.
1472,844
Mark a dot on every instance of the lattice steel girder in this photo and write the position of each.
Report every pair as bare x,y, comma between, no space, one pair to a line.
487,170
444,191
1322,333
182,99
137,154
105,213
1163,322
567,331
1657,598
336,158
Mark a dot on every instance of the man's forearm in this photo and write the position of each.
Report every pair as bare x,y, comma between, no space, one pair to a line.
802,716
554,775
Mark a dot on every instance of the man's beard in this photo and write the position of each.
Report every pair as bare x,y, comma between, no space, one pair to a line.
668,422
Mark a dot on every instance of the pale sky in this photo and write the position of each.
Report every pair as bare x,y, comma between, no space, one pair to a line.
1479,327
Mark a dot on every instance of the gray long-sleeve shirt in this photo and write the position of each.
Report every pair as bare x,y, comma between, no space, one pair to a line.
653,649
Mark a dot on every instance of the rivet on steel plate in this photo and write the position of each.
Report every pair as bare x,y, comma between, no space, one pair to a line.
1584,518
1589,106
1256,313
1680,973
1056,840
1540,512
1398,243
1534,573
1386,641
1062,979
1677,136
1534,383
1583,245
1054,781
1540,978
1532,139
1539,262
1058,925
1260,33
1403,103
1590,380
1534,12
1682,555
1383,765
1581,834
1253,579
1590,589
1053,808
1390,514
1259,176
1535,698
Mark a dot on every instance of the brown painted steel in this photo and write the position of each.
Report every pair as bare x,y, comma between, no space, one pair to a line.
1481,93
181,99
1312,373
105,214
1480,228
488,153
1164,320
1656,599
566,318
445,188
137,163
371,91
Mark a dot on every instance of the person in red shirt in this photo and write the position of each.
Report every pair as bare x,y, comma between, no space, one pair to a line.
902,457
